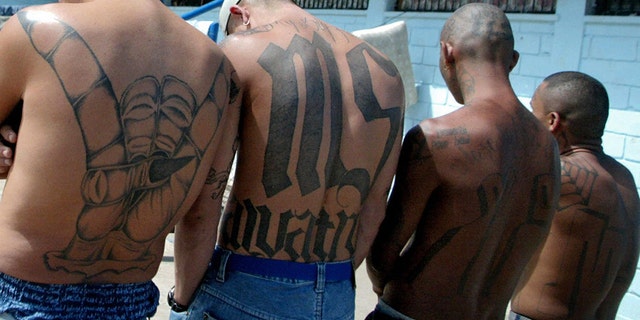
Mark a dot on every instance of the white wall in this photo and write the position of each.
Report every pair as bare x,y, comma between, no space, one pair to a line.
607,48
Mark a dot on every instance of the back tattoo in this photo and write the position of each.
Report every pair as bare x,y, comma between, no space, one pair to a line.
141,158
330,230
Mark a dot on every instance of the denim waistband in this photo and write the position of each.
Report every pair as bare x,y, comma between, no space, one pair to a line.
334,271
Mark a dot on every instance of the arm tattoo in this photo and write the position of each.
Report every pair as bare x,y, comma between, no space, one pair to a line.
220,178
140,161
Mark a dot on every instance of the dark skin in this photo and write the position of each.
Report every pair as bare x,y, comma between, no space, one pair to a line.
468,207
589,259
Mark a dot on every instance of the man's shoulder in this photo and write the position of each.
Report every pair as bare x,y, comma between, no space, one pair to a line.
620,173
444,134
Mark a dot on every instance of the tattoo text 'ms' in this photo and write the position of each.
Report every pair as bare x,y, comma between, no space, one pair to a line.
321,97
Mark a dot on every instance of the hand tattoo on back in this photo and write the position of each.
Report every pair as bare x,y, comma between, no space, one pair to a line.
141,157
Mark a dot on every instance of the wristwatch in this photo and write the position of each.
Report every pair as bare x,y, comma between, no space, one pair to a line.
176,307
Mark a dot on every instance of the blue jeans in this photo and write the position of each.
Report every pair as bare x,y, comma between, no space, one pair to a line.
173,315
515,316
21,299
385,311
241,287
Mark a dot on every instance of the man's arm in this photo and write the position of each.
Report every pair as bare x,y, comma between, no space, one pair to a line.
415,180
8,139
196,233
609,307
373,210
13,68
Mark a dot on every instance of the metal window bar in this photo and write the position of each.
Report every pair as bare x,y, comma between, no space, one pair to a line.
334,4
616,7
512,6
305,4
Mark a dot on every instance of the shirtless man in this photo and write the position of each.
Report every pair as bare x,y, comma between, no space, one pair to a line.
320,137
474,191
125,112
589,259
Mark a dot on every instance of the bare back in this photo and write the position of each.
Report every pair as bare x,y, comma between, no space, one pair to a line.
475,191
321,131
589,259
119,124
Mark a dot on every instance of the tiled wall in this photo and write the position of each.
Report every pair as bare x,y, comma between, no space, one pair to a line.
607,48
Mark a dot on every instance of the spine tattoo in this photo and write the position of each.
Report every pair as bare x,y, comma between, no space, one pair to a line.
141,158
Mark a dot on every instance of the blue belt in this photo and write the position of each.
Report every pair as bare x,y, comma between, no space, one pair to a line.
334,271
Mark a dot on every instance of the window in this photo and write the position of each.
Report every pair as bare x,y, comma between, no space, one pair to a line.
305,4
189,3
512,6
334,4
614,7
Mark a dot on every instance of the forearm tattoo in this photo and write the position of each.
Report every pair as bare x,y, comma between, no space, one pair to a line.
220,179
322,94
140,159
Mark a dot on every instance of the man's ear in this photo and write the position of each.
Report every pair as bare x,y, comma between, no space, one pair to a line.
446,52
554,122
238,10
514,60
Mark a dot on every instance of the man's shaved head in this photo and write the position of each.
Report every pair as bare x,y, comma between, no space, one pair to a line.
579,99
480,31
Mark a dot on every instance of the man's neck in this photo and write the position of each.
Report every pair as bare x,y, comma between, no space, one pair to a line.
483,81
261,16
590,148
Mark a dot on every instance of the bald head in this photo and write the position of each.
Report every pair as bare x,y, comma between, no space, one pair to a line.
580,100
480,31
